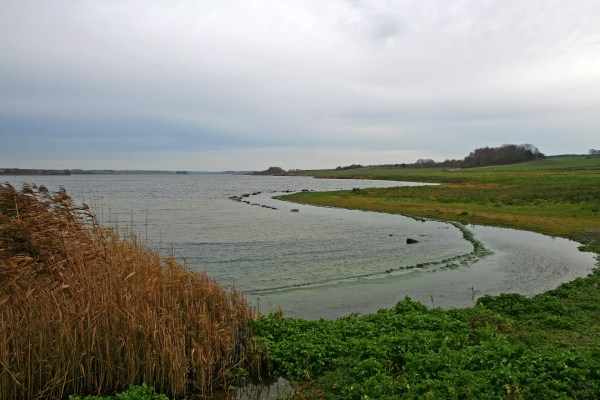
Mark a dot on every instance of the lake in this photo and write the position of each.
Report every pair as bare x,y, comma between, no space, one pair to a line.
318,262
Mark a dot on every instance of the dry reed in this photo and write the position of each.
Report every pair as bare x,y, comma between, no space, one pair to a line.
83,311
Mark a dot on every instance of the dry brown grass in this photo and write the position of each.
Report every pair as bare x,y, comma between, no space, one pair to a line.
83,311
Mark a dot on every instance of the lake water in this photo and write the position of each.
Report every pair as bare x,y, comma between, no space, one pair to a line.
319,262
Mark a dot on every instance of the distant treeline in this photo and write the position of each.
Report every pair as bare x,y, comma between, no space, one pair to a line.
484,156
594,153
28,171
21,171
353,166
505,154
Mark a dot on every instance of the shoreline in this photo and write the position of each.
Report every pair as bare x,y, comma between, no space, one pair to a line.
368,294
479,251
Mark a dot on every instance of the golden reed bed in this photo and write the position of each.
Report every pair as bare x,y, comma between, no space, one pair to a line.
83,311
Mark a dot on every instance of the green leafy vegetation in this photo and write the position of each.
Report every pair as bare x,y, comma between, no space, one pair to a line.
142,392
505,347
488,352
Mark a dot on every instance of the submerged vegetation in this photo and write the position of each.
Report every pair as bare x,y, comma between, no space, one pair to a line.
84,311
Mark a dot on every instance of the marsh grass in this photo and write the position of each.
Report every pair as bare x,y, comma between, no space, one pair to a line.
84,311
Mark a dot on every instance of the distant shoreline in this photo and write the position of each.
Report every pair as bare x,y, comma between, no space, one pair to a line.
68,172
42,172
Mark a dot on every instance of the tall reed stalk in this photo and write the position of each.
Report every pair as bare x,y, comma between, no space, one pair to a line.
83,311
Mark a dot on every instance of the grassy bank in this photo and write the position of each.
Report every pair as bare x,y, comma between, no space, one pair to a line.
558,197
507,346
83,311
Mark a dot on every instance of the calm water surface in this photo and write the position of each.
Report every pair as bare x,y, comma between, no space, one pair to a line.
319,262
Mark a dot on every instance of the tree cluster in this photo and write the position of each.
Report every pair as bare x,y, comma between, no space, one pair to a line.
505,154
353,166
481,157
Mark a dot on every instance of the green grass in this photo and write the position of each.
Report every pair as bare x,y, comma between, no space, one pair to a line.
553,163
507,346
557,197
566,163
386,173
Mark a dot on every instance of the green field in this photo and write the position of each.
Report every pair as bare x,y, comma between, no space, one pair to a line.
558,197
505,347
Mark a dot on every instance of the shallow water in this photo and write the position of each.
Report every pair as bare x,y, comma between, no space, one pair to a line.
523,262
319,262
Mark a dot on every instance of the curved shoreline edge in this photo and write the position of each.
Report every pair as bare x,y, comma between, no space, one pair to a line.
479,251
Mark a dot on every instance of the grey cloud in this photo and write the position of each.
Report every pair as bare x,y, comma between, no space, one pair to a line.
368,74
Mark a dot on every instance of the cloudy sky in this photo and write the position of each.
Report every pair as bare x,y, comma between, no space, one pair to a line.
244,85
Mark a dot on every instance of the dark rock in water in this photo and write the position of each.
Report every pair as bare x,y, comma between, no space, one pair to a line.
294,210
246,195
390,234
411,241
255,193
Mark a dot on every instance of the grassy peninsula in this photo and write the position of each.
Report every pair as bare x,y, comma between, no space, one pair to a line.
557,197
505,347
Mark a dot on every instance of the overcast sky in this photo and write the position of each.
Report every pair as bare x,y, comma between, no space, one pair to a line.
244,85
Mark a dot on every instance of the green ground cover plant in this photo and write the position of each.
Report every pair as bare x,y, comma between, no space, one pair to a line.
505,347
141,392
412,352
